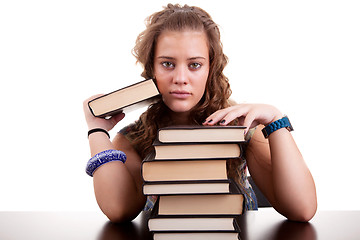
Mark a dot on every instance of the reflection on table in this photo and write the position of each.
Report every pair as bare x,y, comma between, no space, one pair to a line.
272,227
263,224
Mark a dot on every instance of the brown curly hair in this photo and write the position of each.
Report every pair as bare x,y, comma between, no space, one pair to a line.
217,91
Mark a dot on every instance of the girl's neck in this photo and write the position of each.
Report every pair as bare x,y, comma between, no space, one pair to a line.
181,118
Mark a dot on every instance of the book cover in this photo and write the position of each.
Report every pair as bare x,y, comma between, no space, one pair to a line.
182,169
195,150
196,235
186,187
192,222
125,99
208,204
199,133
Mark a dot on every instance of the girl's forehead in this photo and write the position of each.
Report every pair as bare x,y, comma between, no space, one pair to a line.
185,41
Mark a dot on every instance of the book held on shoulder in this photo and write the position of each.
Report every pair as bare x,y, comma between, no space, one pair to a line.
125,99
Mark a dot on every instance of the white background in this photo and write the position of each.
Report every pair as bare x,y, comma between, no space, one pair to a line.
301,56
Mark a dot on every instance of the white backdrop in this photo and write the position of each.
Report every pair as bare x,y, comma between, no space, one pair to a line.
301,56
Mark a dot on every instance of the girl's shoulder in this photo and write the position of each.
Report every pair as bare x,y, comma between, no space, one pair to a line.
127,129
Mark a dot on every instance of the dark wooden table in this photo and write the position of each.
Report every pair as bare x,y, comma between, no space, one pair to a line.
263,224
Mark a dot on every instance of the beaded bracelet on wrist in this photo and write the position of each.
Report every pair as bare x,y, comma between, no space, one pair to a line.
104,157
278,124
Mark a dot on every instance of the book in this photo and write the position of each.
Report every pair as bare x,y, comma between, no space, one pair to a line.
194,223
196,150
199,133
125,99
203,204
209,204
158,223
182,169
196,235
186,187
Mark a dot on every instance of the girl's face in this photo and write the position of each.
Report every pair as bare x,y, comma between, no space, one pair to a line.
181,66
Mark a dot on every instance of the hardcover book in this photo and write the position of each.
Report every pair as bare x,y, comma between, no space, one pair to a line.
199,133
196,235
186,187
195,150
192,223
183,169
203,204
125,99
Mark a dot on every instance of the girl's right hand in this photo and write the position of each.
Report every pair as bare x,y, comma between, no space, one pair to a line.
96,122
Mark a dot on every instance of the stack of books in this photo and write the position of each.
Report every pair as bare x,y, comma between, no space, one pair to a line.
188,172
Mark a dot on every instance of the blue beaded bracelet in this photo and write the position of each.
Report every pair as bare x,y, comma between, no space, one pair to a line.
102,158
274,126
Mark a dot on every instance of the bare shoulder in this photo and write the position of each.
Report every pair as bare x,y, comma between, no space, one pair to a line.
121,143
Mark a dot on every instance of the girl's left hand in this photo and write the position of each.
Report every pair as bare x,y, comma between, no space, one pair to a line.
249,115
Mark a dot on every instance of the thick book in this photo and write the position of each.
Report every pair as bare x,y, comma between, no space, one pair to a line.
196,150
203,204
196,235
182,169
186,187
125,99
157,223
194,223
199,133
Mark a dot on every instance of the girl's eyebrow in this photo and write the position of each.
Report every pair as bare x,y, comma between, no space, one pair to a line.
194,58
166,57
172,58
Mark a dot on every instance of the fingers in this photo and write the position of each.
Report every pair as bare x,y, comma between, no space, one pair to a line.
226,115
216,117
117,118
244,113
249,121
96,122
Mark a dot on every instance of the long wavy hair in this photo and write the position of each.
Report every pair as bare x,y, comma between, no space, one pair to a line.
217,90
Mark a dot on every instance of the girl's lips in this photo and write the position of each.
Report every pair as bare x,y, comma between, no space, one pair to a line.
180,94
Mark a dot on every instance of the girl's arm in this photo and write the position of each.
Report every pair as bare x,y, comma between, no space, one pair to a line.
276,164
117,186
280,172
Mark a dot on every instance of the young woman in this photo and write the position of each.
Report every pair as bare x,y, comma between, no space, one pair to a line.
182,51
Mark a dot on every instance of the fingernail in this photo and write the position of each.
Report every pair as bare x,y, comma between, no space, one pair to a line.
222,121
210,121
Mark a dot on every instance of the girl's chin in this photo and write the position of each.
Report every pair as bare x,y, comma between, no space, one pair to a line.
180,108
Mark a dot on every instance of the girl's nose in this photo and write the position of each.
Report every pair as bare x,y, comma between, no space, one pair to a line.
180,75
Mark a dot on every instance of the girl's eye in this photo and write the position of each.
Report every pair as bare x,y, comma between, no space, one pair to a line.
167,64
195,65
